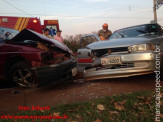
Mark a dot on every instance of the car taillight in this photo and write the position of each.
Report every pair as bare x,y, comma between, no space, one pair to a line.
85,60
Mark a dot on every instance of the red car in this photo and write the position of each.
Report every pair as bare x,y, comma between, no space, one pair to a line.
29,58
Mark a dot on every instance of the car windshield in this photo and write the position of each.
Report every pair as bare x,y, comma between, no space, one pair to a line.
136,31
7,34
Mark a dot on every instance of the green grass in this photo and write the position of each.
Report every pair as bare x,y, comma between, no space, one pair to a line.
134,107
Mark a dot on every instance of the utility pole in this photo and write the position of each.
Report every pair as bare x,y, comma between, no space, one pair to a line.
154,10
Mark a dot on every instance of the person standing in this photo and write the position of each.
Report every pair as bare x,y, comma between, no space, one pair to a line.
104,33
58,36
46,32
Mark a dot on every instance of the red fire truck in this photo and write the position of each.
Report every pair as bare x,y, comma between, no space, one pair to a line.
19,23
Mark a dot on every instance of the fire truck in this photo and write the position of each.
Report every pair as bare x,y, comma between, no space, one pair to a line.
19,23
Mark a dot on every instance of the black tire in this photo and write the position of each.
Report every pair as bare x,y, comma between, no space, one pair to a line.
22,75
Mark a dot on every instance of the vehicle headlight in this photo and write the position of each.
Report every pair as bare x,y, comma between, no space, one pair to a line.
141,47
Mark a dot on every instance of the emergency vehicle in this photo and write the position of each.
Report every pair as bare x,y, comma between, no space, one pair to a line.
19,23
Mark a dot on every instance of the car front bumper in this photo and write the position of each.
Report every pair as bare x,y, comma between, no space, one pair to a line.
54,72
142,63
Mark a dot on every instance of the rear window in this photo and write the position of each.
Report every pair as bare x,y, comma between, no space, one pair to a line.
7,34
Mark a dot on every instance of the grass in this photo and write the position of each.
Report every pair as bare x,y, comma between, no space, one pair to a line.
133,107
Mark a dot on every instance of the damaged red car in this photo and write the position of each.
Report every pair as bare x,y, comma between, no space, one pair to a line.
29,58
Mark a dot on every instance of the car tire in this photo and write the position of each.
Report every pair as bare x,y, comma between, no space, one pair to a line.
22,75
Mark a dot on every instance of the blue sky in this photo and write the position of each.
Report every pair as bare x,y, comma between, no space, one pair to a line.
84,16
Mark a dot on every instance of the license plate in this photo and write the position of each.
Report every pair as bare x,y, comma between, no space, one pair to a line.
111,60
74,71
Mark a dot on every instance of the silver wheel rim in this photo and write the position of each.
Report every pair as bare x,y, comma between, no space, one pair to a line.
23,77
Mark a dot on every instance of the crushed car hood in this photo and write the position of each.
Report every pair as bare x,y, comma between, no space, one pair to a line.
27,34
123,42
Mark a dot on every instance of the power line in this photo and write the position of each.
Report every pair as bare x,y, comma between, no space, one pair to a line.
72,3
98,6
87,5
75,3
66,16
15,7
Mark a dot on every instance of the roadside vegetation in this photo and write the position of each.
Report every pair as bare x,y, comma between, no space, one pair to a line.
133,107
73,42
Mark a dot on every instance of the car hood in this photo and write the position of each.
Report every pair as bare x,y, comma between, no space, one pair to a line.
123,42
27,34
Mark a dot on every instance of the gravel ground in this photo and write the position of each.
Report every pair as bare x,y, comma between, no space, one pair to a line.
69,92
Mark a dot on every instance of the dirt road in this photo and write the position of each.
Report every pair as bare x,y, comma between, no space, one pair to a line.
70,92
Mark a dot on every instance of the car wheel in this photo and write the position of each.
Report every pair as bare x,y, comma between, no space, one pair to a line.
23,76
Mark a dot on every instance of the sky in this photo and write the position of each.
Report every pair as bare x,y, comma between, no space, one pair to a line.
84,16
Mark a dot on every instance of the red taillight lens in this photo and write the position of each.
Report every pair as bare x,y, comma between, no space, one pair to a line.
85,60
